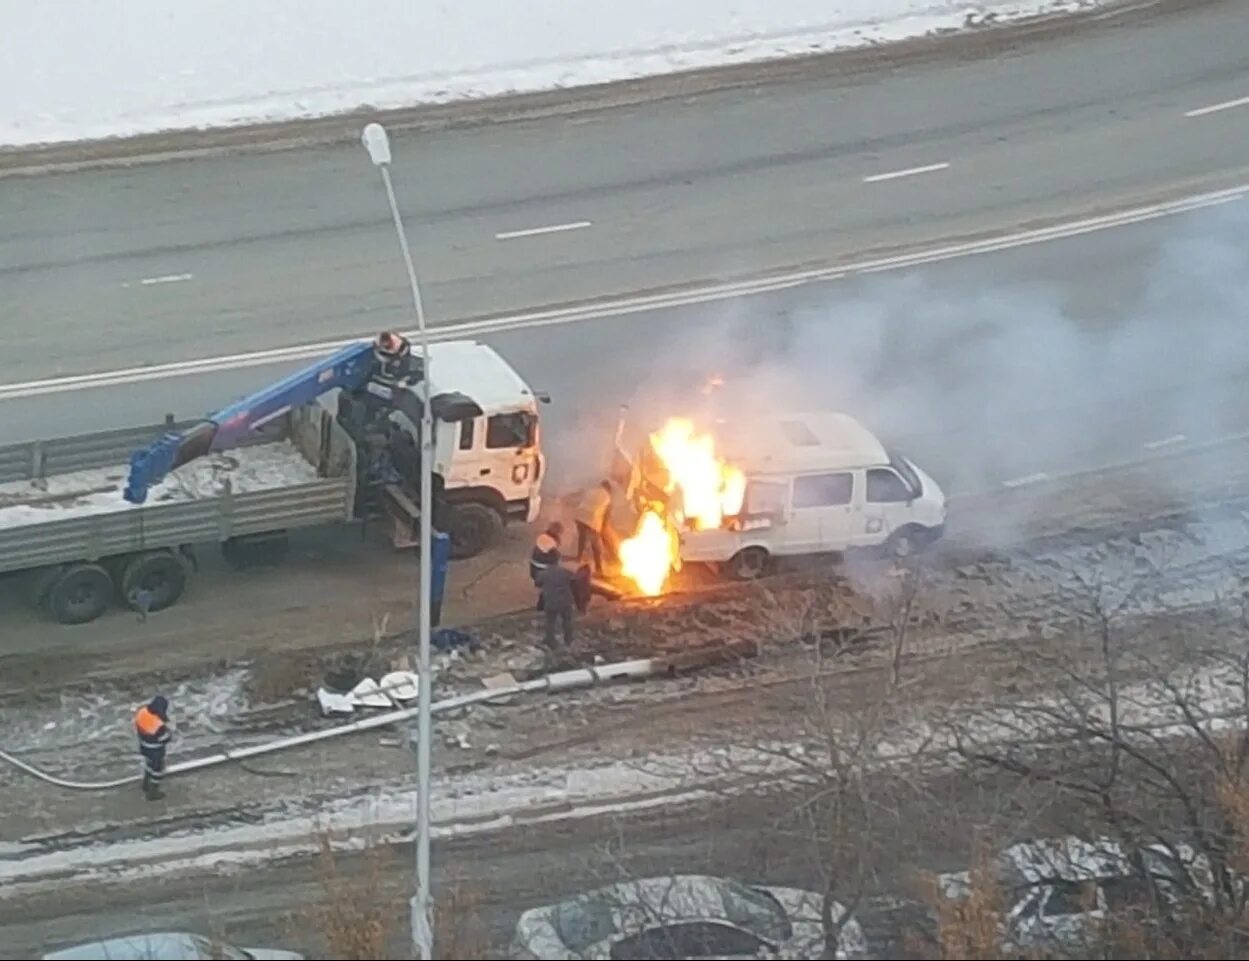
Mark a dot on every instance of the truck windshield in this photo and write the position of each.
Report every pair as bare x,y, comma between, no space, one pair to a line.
518,429
907,472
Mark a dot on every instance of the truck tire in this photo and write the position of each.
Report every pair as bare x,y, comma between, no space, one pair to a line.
748,564
161,572
81,594
473,528
39,583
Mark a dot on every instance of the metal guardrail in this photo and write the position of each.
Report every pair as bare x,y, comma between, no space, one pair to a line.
170,525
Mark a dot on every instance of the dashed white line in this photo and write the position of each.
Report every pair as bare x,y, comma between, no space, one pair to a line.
1166,442
536,231
909,172
1217,107
1027,479
164,279
634,303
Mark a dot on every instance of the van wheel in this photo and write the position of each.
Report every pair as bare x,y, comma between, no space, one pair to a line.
473,528
904,543
159,572
748,564
80,595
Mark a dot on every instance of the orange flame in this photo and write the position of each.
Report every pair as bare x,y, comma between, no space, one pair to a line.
705,490
647,557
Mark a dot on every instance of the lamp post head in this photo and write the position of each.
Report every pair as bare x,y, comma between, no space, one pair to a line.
377,143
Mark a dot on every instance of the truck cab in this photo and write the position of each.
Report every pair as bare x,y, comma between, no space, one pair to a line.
817,483
491,465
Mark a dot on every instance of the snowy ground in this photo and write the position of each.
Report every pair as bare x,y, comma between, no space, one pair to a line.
99,491
88,69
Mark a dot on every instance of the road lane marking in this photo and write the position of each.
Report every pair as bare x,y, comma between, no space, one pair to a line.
538,231
1166,442
1026,480
164,279
909,172
1217,107
635,303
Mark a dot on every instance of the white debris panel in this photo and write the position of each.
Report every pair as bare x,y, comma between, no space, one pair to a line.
99,490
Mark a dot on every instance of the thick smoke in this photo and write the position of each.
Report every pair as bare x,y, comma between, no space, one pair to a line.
1053,358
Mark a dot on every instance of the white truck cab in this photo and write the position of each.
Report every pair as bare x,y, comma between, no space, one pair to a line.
491,466
817,483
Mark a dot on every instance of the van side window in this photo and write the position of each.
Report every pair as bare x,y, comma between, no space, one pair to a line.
467,428
510,430
886,487
823,490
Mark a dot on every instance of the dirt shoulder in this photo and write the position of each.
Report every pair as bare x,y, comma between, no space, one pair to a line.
833,630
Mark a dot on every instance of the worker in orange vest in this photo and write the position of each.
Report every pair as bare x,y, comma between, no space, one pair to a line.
151,724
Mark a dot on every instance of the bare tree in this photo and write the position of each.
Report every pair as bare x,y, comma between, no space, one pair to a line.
1143,732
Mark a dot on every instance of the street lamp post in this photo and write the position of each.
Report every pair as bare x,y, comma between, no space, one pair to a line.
378,145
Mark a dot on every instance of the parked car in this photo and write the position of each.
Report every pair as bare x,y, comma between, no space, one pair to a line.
166,946
684,916
1060,889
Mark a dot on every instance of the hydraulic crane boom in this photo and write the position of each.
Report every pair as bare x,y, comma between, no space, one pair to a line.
386,362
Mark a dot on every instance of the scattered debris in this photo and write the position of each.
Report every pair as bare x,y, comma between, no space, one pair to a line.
334,704
403,686
367,693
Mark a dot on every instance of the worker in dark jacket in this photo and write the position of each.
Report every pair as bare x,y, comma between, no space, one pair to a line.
546,550
151,724
557,601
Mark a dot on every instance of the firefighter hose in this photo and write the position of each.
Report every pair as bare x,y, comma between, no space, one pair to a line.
548,683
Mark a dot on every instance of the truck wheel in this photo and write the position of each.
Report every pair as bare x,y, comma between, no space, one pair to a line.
81,594
473,528
39,583
160,572
748,564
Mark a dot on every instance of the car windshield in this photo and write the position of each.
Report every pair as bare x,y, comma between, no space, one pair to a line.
907,470
755,911
583,922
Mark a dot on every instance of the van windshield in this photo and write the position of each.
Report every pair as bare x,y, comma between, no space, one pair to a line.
904,468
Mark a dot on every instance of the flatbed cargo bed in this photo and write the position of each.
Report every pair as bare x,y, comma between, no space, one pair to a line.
94,491
61,500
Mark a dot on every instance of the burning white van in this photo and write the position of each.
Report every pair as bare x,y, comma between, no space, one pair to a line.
815,483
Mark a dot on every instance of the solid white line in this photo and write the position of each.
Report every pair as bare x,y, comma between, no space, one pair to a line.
1027,479
1166,442
636,303
536,231
909,172
165,279
1216,107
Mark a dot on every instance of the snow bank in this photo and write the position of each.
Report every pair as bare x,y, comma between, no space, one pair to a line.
99,491
85,69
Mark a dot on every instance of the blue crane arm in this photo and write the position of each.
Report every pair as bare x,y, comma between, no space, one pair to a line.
349,369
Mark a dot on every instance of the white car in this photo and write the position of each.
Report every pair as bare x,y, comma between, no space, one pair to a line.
166,946
684,916
1061,888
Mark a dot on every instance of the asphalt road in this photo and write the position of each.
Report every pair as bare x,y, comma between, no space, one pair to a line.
262,250
996,371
